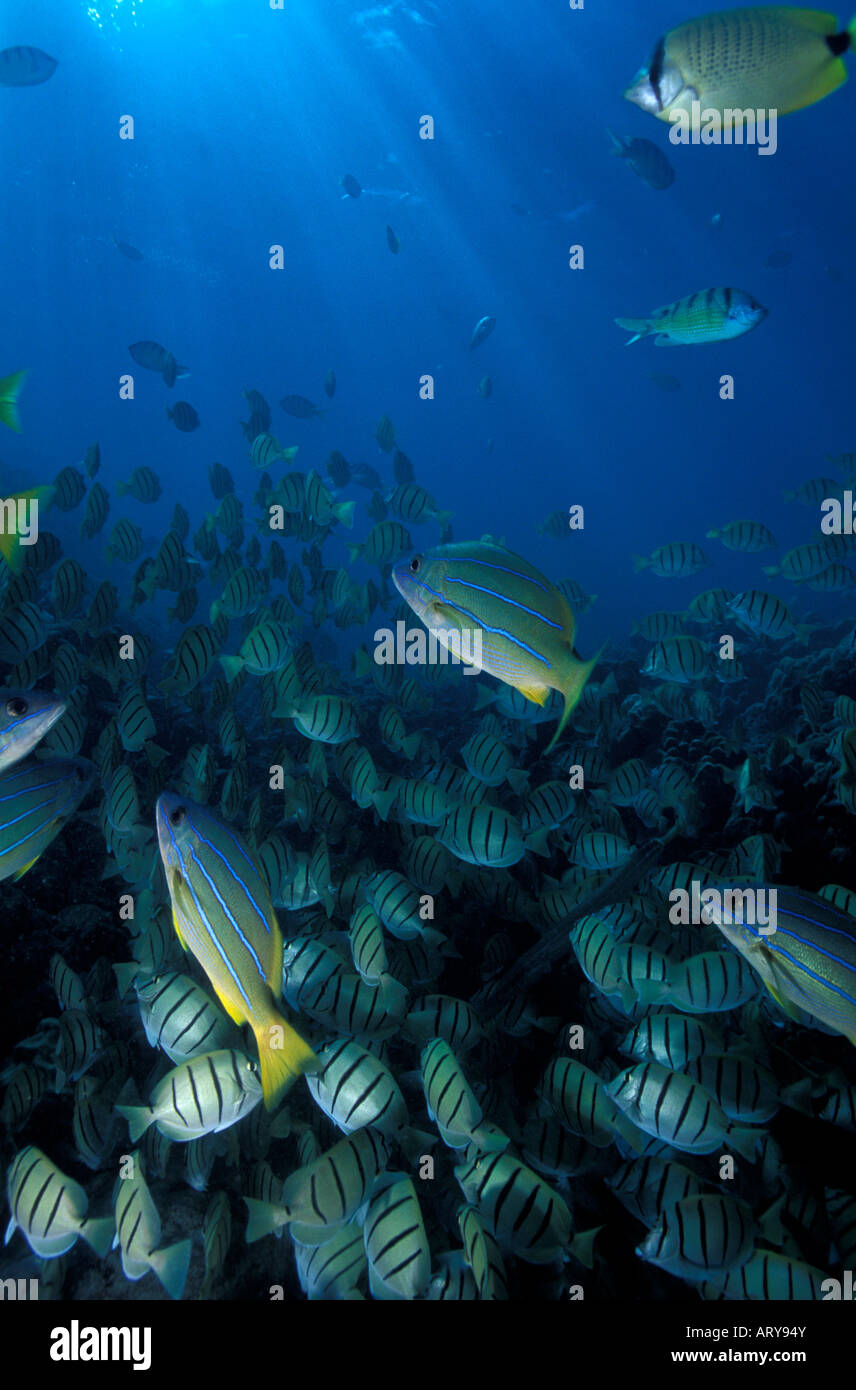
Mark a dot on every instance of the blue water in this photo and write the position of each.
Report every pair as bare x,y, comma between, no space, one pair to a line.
246,118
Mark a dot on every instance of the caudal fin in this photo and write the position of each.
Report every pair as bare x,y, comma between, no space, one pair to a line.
283,1057
171,1266
638,327
99,1233
11,541
139,1118
10,390
265,1219
572,690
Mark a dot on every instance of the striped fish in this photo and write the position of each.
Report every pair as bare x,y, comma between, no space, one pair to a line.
482,1255
801,563
355,1089
36,799
367,944
394,733
397,904
765,615
78,1043
321,507
67,588
49,1209
769,1277
94,1122
528,1217
324,1195
580,1101
600,957
599,849
441,1016
808,963
420,802
486,836
65,739
671,1106
679,659
656,627
678,560
216,1239
324,718
134,718
24,629
428,865
384,542
553,1151
125,543
351,1006
745,1090
308,969
484,599
180,1018
223,915
712,982
451,1103
453,1280
26,1087
708,316
69,489
488,759
266,648
701,1235
671,1039
332,1270
138,1232
396,1244
122,803
649,1186
25,718
750,537
547,807
202,1096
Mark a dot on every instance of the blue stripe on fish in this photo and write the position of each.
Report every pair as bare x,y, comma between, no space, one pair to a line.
480,623
212,935
503,569
503,598
224,861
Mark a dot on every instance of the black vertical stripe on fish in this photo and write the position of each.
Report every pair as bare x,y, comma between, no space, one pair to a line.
42,1190
217,1089
176,1106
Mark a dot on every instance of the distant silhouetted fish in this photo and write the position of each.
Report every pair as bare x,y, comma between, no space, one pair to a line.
128,250
25,67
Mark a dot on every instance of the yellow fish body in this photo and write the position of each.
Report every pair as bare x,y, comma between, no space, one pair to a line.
489,598
223,915
771,58
708,316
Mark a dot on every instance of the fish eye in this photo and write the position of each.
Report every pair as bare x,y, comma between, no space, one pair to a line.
416,564
16,707
252,1066
177,817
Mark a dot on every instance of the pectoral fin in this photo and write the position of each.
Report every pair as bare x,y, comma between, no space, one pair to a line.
536,693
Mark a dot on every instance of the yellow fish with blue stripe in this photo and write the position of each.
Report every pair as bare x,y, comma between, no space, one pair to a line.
808,963
501,615
772,58
223,915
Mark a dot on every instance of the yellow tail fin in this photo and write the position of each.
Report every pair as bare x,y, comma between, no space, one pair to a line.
572,690
10,390
10,541
283,1057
